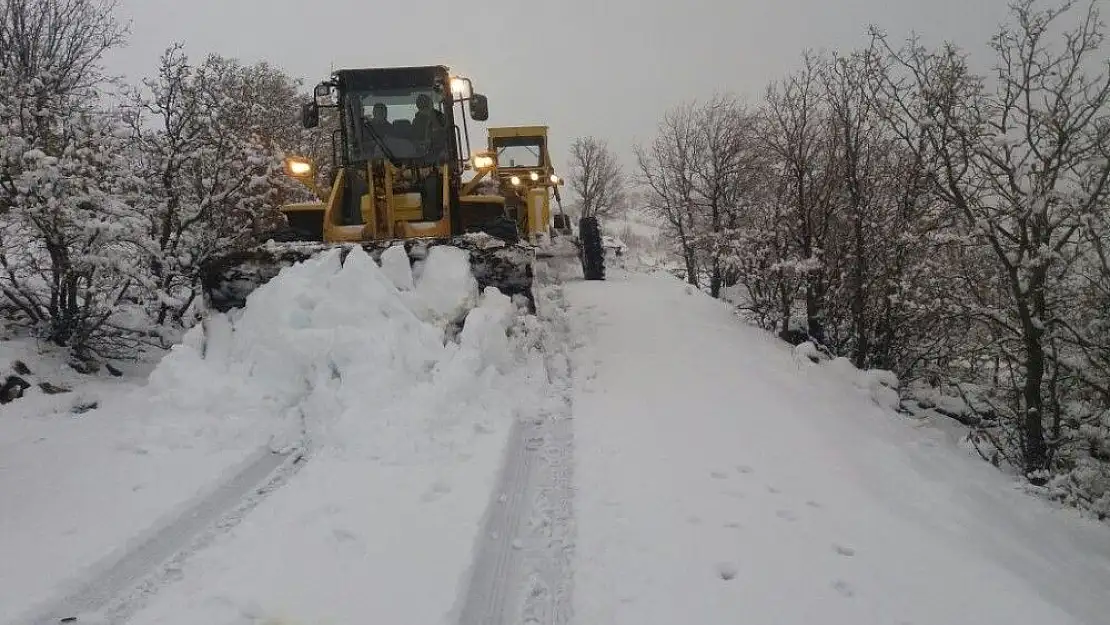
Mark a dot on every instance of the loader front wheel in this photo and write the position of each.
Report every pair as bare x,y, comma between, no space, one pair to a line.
591,250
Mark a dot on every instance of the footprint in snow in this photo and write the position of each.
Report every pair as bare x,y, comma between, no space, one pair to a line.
719,475
844,588
813,504
437,490
743,468
786,515
343,536
727,570
844,551
773,490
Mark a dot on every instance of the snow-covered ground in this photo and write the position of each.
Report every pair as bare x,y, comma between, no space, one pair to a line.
380,426
724,479
340,452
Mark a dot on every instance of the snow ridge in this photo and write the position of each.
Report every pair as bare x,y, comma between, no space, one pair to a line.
521,571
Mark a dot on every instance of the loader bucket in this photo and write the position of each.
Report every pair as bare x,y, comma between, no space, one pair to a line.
228,281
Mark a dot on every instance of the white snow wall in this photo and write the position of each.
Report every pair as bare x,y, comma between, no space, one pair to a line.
327,349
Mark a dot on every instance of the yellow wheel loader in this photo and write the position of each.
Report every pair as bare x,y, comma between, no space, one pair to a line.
400,150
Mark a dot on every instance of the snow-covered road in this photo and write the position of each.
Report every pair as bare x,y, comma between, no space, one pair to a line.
634,455
721,480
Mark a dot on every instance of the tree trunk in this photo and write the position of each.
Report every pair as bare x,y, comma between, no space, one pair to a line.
1031,312
1034,449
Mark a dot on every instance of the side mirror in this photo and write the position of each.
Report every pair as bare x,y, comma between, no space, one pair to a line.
310,115
479,107
323,94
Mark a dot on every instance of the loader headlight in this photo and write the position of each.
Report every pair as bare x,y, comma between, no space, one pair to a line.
515,180
535,176
482,161
554,179
460,88
298,167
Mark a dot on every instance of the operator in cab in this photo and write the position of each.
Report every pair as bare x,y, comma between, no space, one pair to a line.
427,119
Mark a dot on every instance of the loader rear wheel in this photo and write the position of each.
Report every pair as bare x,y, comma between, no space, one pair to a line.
592,252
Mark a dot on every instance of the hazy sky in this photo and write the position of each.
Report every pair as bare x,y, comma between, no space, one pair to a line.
604,67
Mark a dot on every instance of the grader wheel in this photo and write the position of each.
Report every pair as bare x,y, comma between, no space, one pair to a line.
592,252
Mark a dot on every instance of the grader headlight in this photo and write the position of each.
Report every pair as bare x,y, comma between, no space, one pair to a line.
554,179
535,176
515,180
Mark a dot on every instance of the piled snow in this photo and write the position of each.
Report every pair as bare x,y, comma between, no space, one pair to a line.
721,479
402,420
405,434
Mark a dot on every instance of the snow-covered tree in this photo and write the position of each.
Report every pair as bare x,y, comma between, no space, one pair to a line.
210,140
69,226
1023,164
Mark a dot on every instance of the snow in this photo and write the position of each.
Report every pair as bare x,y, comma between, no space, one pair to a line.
722,478
402,433
407,437
446,287
423,472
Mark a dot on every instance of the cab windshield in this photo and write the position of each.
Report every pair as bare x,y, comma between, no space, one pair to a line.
401,124
519,152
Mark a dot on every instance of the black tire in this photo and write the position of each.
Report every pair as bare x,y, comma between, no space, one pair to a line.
591,250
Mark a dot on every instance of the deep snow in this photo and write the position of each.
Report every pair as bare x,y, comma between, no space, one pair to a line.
724,478
719,475
401,419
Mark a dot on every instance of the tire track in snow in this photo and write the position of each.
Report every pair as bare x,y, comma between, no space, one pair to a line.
111,590
521,571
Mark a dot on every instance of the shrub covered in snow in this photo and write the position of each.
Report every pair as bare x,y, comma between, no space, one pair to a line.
105,215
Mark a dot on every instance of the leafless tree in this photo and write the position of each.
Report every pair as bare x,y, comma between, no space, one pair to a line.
799,134
1025,168
596,177
667,172
724,172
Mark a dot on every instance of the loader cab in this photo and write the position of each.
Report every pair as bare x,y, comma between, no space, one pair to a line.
399,150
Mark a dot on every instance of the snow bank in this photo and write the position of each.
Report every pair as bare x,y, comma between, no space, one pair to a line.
405,423
324,336
402,416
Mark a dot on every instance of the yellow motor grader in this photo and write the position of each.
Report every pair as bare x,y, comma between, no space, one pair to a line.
400,149
518,160
517,167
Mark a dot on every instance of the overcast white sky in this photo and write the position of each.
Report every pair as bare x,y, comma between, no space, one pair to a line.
604,67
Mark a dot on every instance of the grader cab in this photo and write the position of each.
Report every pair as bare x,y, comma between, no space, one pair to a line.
518,166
